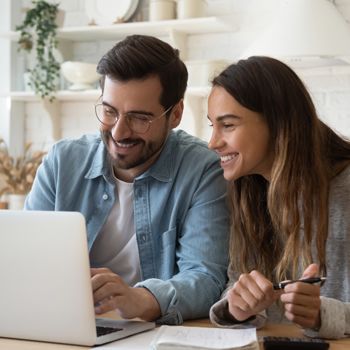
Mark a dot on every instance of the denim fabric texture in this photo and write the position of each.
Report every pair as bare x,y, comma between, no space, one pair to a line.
181,217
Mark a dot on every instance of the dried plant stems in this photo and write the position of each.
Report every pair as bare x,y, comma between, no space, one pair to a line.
18,173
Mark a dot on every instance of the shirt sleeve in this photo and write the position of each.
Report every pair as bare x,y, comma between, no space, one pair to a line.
221,317
335,320
43,193
201,254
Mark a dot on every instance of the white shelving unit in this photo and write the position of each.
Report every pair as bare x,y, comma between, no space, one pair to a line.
62,95
156,28
176,30
88,95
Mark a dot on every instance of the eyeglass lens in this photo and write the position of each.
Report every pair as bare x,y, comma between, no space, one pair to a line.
137,122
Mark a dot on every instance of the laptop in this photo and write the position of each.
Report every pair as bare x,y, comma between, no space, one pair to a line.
46,292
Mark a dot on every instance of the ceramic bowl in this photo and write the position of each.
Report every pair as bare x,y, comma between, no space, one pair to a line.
81,74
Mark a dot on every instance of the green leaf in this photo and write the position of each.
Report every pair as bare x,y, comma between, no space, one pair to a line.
38,31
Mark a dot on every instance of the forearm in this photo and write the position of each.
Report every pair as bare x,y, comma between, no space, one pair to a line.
186,296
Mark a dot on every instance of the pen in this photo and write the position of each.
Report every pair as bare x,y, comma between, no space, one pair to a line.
310,280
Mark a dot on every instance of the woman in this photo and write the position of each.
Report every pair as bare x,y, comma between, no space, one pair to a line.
289,180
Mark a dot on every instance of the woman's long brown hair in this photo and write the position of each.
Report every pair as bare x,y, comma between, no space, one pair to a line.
275,224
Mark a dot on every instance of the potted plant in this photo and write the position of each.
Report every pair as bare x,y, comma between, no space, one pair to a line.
39,31
18,174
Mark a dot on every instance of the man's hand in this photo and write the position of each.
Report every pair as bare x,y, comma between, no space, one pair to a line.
302,301
251,294
111,292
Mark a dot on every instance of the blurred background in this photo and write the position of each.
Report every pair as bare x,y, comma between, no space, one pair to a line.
313,36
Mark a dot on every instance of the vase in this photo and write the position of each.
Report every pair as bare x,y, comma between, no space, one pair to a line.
16,201
160,10
190,8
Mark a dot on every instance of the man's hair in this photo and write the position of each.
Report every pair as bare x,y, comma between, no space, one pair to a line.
142,56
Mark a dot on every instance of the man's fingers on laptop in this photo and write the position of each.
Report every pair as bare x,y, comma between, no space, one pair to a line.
99,270
102,278
106,305
108,290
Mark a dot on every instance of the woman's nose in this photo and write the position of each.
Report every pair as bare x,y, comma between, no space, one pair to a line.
215,141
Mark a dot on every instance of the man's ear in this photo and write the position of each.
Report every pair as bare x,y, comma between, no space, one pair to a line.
176,114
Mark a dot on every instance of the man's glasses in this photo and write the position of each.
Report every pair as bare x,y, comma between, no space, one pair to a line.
137,122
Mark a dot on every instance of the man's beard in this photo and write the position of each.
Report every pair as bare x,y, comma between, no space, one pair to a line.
119,162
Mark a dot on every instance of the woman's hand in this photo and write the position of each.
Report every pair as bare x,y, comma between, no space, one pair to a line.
302,301
252,293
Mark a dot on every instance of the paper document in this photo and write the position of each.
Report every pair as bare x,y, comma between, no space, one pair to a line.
194,338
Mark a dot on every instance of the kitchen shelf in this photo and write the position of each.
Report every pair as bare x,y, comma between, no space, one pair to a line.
156,28
87,95
54,108
62,95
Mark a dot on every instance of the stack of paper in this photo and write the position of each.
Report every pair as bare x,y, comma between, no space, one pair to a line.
194,338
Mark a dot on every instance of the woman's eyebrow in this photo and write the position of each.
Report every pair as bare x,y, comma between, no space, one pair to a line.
223,117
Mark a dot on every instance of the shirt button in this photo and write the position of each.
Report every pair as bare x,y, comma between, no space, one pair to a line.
138,193
105,197
144,238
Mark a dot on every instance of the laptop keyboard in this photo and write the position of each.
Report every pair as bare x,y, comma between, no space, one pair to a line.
106,330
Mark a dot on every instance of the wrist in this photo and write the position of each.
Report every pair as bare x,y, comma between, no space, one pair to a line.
239,317
148,304
317,325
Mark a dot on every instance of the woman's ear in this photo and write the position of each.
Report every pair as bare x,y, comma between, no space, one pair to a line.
176,114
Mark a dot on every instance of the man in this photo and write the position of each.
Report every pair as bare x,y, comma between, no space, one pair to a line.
153,198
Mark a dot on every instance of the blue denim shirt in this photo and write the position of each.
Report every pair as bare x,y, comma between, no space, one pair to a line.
181,218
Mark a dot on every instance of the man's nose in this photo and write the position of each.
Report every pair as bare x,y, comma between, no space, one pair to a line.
121,129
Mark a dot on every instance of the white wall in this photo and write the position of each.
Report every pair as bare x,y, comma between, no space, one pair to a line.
330,86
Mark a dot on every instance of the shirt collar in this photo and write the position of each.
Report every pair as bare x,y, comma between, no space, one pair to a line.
100,165
163,168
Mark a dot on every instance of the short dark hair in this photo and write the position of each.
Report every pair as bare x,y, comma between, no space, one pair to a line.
141,56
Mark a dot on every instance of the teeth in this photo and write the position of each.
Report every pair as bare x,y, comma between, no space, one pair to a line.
125,145
228,157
